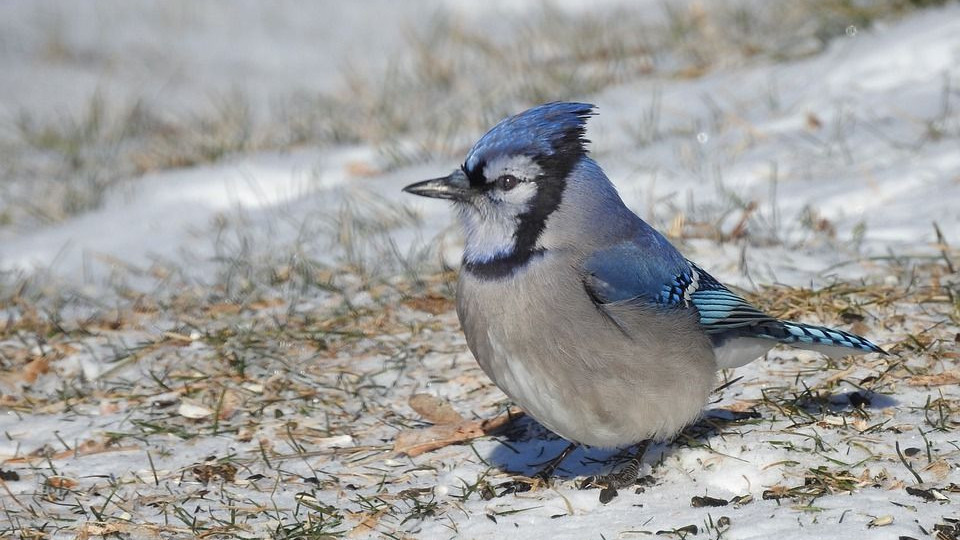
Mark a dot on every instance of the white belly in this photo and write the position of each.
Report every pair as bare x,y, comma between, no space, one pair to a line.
536,392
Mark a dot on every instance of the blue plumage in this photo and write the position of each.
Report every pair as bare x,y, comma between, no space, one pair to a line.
720,309
542,131
650,270
645,267
724,315
820,335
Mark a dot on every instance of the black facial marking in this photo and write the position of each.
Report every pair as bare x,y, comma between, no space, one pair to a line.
551,183
475,175
568,149
550,187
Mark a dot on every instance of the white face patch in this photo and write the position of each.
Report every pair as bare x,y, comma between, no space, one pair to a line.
520,166
490,221
489,234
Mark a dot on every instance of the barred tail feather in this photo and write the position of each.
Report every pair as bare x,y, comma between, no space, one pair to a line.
743,345
829,341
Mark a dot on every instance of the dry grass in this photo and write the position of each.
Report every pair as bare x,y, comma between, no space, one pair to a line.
308,392
64,167
450,82
279,380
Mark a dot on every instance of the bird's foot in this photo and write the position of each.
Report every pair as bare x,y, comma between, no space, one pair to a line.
522,484
625,477
516,485
541,478
610,483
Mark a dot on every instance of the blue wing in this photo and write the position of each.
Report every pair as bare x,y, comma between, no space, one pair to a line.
649,274
724,315
643,268
648,269
721,310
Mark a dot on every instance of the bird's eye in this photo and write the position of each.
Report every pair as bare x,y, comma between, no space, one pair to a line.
507,182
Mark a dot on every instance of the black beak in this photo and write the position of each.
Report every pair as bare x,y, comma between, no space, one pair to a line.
455,187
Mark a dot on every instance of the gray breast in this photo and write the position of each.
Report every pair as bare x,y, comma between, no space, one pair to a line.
542,340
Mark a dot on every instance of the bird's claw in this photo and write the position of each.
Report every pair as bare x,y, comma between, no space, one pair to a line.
610,483
522,484
541,478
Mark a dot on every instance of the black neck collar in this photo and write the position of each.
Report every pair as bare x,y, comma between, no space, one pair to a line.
503,265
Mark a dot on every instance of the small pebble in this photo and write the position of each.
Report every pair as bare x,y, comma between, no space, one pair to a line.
607,494
700,502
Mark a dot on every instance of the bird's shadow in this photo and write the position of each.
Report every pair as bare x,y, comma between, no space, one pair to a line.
526,446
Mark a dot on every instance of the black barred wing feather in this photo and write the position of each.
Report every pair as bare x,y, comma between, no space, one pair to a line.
720,309
724,315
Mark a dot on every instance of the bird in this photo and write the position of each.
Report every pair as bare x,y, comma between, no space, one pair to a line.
584,315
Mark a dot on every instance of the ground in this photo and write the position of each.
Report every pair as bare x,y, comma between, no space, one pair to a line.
222,318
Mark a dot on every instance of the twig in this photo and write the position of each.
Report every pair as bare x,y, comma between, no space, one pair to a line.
944,247
907,465
6,488
740,229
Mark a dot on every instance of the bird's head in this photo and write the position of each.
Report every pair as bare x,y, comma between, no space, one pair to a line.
513,179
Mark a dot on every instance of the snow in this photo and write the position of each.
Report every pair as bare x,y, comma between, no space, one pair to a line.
849,174
187,55
182,53
846,133
165,212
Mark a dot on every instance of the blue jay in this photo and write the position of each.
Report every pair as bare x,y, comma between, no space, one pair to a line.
583,314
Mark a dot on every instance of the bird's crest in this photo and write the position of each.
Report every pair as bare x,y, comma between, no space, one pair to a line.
548,131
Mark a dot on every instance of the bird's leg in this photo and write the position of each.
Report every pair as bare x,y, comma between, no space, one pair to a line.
625,477
543,475
550,467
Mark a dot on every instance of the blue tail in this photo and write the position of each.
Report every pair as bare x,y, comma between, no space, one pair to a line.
810,336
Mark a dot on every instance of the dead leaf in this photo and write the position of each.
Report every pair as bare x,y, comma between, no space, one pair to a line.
940,469
414,442
229,402
940,379
881,521
434,409
38,366
742,405
194,411
87,530
205,472
433,304
367,525
60,482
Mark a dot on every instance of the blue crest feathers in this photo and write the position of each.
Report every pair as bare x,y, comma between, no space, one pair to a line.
544,131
